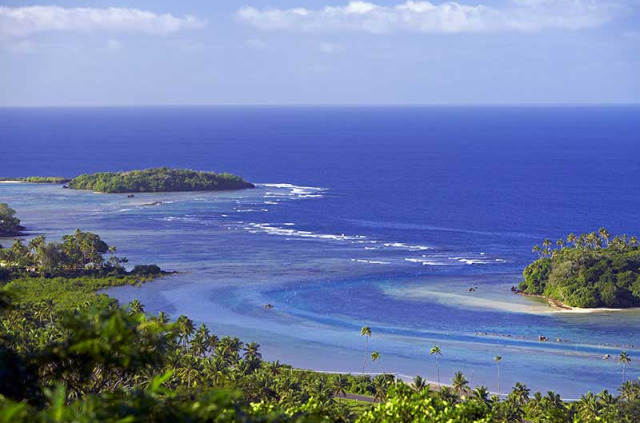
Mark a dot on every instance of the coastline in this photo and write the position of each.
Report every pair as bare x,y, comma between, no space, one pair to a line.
560,307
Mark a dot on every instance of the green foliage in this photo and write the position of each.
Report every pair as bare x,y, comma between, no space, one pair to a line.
406,405
146,269
590,270
80,255
68,292
9,223
158,180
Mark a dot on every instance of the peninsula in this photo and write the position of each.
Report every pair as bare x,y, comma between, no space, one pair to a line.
9,223
592,270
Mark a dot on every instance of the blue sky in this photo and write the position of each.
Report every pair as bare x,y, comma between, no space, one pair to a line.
157,52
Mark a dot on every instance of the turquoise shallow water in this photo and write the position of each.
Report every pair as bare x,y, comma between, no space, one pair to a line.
374,216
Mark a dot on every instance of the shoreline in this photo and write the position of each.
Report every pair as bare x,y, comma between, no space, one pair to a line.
560,307
11,181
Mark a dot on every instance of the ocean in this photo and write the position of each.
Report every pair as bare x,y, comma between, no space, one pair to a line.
376,216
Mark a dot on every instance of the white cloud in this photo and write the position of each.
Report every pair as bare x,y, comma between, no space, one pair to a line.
24,21
448,17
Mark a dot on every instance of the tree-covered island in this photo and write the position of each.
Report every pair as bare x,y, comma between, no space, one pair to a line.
9,223
587,271
159,179
162,179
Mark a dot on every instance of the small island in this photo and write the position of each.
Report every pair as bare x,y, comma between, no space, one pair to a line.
9,223
160,179
592,270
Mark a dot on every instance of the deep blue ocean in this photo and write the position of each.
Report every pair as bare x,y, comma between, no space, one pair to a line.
378,216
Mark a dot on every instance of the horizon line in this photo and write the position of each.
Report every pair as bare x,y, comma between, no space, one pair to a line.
336,105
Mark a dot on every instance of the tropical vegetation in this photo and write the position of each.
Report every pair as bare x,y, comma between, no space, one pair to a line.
68,272
9,223
587,270
160,179
70,354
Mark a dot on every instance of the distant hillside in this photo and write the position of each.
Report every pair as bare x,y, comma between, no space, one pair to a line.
589,270
158,180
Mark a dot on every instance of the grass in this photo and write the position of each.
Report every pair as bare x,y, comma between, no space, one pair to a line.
68,292
355,407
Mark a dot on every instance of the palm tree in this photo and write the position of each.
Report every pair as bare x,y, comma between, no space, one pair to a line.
537,249
375,356
629,391
188,369
36,244
534,407
482,394
228,349
520,393
198,346
606,399
571,239
162,318
252,351
288,389
633,241
265,386
435,350
380,386
552,400
185,328
200,343
447,395
212,342
604,235
625,360
273,367
588,407
581,242
420,384
113,260
339,385
497,360
135,307
460,384
507,411
560,243
366,332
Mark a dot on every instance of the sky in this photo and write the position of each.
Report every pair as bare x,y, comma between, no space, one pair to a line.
340,52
